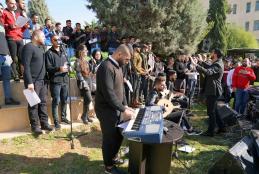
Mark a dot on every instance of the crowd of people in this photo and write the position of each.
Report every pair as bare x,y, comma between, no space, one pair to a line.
132,75
60,44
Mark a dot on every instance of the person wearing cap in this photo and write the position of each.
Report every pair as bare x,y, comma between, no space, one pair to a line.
213,88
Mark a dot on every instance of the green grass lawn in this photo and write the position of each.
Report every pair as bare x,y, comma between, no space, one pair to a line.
51,154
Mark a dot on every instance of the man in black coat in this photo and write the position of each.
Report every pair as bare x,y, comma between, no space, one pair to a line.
213,88
34,80
110,105
57,67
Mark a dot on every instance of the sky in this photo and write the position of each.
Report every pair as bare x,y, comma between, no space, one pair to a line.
75,10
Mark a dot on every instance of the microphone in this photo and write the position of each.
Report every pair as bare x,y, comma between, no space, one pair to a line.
61,43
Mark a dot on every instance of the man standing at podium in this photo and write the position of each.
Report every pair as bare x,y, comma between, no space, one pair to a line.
110,105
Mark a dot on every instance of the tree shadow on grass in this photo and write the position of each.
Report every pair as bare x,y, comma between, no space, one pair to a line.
198,163
215,141
69,163
90,139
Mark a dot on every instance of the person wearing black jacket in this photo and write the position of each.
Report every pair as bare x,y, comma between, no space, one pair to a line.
213,88
68,30
78,36
57,68
111,106
34,80
180,69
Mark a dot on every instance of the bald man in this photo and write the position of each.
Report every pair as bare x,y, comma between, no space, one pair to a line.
242,77
34,80
111,106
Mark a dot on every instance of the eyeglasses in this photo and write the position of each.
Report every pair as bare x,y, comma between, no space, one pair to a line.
55,40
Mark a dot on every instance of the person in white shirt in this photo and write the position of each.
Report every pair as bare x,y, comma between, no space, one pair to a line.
229,78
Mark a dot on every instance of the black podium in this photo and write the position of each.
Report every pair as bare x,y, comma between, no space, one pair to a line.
147,158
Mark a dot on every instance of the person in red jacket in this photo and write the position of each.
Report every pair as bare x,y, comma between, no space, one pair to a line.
14,34
242,77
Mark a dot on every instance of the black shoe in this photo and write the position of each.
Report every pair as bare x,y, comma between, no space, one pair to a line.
118,161
221,130
57,126
89,119
36,130
84,119
208,134
47,128
194,132
10,101
65,121
114,170
17,79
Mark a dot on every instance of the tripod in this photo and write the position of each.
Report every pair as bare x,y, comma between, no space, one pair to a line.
175,153
71,136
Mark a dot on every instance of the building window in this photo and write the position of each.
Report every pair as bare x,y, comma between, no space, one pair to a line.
257,6
256,25
247,26
248,7
234,9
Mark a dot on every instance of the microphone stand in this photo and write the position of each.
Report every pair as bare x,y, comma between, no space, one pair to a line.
71,137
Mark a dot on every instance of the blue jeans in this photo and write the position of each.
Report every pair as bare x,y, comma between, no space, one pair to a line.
70,52
191,84
241,100
6,76
59,92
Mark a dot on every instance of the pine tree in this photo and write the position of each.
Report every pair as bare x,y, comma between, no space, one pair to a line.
170,25
39,7
217,14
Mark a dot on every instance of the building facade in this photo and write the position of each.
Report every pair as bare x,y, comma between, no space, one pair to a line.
244,13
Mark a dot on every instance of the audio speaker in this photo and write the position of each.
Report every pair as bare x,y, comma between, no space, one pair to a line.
227,114
238,160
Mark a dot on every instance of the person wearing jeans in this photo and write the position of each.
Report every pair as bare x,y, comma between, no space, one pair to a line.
5,62
14,35
56,65
242,77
